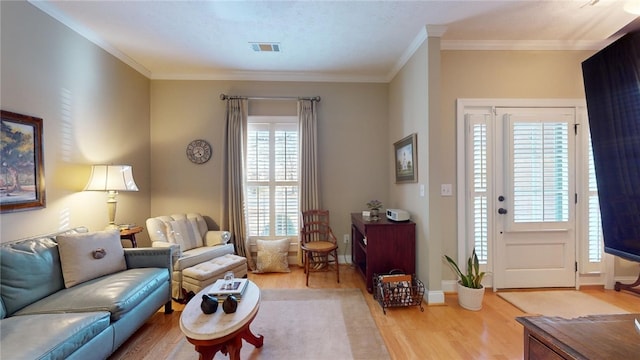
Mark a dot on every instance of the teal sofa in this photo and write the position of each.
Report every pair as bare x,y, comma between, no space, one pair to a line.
41,318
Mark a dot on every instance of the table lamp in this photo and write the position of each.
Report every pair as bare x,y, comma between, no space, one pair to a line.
111,178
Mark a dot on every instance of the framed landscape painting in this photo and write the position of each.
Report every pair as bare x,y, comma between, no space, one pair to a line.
406,155
21,169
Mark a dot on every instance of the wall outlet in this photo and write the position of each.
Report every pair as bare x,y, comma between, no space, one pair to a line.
345,238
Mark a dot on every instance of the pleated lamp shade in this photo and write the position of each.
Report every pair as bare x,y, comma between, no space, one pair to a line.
111,178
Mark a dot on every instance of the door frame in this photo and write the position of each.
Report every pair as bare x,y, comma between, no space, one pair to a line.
464,247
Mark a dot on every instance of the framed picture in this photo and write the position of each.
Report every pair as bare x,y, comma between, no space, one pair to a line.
406,156
21,169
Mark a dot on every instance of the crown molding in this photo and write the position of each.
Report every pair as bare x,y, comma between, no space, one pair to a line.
424,33
90,35
520,45
272,76
436,30
408,53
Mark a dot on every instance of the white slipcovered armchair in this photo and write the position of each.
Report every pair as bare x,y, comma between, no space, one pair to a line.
200,255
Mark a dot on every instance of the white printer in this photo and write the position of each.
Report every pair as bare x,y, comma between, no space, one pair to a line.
397,215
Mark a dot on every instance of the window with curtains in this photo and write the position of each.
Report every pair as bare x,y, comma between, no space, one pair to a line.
272,176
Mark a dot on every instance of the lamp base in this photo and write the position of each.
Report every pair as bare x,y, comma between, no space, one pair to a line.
111,206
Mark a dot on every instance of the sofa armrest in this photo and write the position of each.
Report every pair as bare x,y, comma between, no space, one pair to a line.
215,237
163,245
148,257
176,252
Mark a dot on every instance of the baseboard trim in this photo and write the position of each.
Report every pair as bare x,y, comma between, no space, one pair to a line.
435,297
343,259
450,286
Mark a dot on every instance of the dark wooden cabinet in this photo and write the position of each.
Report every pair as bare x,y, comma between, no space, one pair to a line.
589,337
381,246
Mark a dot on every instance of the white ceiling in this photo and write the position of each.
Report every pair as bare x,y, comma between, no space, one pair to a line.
326,40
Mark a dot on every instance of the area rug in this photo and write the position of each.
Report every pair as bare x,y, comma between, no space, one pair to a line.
315,324
563,303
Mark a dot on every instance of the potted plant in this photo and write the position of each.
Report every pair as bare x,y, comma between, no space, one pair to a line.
374,206
470,289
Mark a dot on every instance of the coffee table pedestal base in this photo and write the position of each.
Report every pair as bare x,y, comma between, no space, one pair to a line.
230,344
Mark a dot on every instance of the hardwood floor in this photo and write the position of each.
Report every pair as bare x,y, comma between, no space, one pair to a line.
440,332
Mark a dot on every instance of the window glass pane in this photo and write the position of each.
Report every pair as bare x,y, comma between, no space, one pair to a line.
286,210
595,230
257,203
286,155
595,224
480,230
480,220
480,157
540,172
257,154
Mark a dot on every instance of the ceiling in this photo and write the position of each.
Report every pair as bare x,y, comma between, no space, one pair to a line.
362,41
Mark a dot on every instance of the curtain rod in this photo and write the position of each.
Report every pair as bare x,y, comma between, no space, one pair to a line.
227,97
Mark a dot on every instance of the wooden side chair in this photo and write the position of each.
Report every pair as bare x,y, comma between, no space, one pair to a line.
317,242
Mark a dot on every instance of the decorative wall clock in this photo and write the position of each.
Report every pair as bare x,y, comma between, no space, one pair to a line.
199,151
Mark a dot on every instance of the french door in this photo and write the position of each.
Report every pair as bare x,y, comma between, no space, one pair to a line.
535,227
520,189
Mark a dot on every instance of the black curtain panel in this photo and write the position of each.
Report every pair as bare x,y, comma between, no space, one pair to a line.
612,89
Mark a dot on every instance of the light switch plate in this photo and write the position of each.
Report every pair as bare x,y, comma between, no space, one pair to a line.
446,189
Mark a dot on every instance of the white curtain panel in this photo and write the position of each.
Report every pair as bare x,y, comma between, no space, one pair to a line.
308,127
234,219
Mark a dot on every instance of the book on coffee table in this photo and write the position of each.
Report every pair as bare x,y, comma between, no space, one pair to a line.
219,290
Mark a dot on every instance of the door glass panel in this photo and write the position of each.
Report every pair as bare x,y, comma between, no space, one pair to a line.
540,172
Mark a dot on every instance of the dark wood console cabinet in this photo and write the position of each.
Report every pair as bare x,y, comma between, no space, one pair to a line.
589,337
389,245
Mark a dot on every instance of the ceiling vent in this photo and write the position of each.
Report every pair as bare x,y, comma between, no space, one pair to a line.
265,47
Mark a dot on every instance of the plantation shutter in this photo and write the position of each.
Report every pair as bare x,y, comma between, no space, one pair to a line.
286,180
258,164
595,223
478,187
540,171
272,178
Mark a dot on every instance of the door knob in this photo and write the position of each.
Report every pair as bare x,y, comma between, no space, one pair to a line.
500,198
502,211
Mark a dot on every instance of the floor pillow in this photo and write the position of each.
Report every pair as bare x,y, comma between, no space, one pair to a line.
273,256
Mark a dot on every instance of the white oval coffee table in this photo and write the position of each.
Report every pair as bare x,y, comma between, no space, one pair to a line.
220,331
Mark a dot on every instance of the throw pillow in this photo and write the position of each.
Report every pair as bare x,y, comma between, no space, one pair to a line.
88,256
196,232
272,256
184,233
